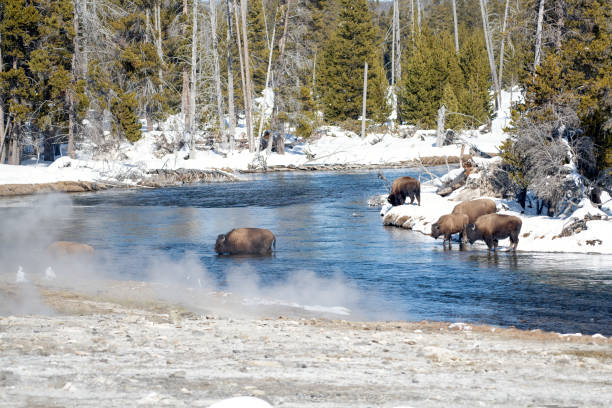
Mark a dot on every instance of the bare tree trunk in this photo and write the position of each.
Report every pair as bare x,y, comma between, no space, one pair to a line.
398,49
158,45
455,26
15,152
365,97
560,11
213,29
501,47
412,18
185,98
283,40
75,77
485,26
538,45
230,81
2,129
247,73
419,6
393,47
440,130
241,55
264,104
192,92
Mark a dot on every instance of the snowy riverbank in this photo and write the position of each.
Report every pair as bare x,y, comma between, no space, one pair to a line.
120,348
130,164
538,233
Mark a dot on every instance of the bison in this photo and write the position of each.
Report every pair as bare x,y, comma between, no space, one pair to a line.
493,227
448,225
65,248
475,208
258,241
402,188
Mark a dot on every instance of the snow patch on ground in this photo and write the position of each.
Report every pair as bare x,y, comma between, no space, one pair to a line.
336,147
538,233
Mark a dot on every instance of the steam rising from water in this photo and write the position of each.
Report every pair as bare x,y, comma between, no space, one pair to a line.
184,281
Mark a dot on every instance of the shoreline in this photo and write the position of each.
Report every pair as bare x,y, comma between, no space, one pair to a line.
93,351
161,178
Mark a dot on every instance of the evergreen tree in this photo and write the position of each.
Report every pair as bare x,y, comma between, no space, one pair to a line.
19,29
476,100
340,81
258,48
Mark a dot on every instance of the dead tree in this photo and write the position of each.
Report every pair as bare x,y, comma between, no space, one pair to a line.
538,44
455,26
192,92
365,97
230,80
247,73
501,47
240,53
185,97
489,45
215,50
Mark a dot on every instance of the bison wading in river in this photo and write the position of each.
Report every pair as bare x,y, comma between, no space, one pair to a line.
475,208
493,227
402,188
257,241
67,248
450,224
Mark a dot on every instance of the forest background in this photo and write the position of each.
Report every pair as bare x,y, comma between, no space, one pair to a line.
91,72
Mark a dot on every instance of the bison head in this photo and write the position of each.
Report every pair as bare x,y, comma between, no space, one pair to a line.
435,230
220,244
472,233
391,199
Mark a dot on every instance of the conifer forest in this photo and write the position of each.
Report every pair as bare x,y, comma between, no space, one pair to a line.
96,72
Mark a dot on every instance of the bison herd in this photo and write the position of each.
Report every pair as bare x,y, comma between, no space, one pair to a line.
473,220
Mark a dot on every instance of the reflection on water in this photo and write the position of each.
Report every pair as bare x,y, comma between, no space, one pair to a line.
324,229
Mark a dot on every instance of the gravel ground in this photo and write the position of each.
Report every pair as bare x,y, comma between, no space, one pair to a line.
98,350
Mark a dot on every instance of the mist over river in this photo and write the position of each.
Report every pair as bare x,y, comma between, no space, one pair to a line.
332,252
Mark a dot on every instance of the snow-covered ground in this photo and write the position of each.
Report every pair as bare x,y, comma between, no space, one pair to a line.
538,233
335,147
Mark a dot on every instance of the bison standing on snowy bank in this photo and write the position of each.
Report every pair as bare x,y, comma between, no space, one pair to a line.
448,225
402,188
492,227
475,208
257,241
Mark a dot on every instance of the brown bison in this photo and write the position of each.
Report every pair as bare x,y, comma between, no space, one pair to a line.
475,208
65,248
493,227
246,241
448,225
402,188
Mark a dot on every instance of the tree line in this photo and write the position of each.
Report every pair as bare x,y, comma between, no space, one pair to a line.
89,72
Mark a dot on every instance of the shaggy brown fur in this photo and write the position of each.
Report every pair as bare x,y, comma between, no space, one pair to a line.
246,241
64,248
475,208
404,187
493,227
448,225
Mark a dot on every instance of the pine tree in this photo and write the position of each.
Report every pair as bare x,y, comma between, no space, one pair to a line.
476,101
19,29
258,48
340,82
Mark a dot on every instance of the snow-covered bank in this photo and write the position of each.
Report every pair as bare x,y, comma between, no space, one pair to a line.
538,233
332,146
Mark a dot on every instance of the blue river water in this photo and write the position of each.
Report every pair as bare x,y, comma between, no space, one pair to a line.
332,250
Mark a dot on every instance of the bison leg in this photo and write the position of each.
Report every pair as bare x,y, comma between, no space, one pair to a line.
411,199
489,243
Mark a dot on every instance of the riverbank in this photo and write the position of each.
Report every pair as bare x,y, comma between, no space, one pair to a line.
585,230
124,347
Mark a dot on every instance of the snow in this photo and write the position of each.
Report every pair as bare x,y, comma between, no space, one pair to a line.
241,402
538,233
336,147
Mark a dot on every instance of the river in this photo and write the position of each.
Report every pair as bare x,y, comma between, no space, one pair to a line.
332,253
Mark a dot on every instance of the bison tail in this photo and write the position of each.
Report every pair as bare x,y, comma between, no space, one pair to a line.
274,243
